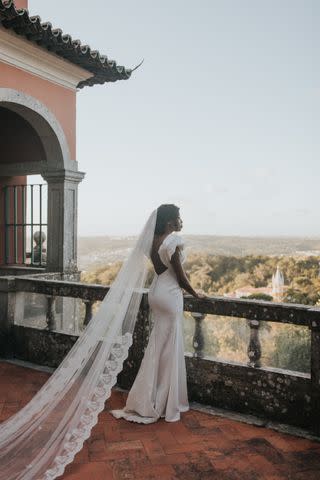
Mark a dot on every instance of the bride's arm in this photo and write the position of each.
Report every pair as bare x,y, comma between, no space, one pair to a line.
181,275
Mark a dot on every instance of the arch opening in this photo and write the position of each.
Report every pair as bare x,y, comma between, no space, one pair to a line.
20,142
32,143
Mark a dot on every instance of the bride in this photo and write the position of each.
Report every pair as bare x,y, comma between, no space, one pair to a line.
160,388
45,435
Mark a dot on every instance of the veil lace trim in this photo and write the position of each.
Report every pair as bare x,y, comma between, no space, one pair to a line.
95,405
44,436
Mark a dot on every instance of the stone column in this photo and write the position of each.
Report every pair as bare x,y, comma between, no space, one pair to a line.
7,314
62,220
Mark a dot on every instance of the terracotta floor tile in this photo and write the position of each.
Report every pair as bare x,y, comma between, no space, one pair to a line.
306,475
82,456
276,477
123,470
227,463
88,471
112,434
155,472
285,442
139,435
173,459
127,445
166,439
261,464
8,410
182,434
266,449
188,447
153,447
199,447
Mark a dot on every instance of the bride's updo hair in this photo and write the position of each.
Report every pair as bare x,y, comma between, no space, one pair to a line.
165,213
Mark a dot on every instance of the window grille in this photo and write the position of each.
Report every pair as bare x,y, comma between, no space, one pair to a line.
25,224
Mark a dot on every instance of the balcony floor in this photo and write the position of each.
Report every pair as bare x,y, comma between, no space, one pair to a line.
200,447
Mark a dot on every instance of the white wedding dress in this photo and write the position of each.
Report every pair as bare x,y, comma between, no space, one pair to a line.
160,388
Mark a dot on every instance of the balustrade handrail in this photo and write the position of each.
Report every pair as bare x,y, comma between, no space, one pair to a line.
254,311
258,310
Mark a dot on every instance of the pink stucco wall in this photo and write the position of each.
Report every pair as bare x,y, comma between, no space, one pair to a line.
61,101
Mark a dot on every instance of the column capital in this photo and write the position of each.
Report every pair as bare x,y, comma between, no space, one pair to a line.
58,176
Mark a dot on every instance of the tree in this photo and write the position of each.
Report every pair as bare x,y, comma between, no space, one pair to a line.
292,348
260,296
293,295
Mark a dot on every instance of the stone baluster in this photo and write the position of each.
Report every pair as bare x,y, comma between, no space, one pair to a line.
198,337
315,372
51,307
254,347
88,314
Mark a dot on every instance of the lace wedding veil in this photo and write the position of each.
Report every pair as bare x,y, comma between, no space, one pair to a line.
43,437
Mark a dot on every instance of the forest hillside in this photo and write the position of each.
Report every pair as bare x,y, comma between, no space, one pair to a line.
283,346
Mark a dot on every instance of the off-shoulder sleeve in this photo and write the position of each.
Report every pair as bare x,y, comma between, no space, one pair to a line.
168,248
174,242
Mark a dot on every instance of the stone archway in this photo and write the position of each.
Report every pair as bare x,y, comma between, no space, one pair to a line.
57,168
49,130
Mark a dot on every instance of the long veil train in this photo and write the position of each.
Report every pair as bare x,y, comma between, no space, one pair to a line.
43,437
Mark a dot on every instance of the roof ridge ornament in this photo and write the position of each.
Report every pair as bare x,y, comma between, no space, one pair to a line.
55,41
139,65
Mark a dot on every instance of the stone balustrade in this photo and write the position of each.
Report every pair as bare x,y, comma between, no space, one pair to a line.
273,394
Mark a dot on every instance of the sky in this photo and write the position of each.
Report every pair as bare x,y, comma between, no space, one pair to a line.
221,119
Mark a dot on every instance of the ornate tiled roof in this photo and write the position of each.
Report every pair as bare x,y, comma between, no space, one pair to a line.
54,40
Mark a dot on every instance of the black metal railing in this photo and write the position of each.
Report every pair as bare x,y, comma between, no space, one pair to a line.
25,224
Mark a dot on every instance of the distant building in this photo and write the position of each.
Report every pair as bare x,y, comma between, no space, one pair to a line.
278,285
275,290
249,290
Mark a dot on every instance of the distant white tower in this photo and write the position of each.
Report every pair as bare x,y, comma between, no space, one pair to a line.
277,284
